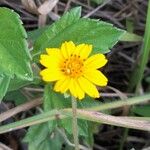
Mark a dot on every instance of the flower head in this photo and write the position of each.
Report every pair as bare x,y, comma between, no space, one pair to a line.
72,70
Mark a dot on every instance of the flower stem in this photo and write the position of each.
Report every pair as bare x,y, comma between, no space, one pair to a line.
74,123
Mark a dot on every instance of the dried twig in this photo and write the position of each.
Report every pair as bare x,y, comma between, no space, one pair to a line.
20,108
96,9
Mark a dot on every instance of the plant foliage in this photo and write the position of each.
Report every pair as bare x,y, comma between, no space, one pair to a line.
14,53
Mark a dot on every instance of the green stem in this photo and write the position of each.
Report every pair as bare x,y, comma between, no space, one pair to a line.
146,48
121,103
126,131
123,139
75,123
137,75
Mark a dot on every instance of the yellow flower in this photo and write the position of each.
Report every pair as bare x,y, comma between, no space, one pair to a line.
72,70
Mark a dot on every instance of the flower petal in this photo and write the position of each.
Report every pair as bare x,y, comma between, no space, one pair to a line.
78,49
88,87
96,77
76,90
49,61
62,85
67,49
80,92
53,51
51,75
96,61
72,88
85,51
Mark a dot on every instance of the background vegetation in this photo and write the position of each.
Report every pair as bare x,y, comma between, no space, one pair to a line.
124,103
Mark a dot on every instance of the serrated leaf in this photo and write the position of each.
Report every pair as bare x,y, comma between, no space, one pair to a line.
101,35
53,100
14,53
48,105
39,137
34,34
4,83
37,133
55,29
82,126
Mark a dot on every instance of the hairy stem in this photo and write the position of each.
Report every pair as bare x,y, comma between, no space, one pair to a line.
74,123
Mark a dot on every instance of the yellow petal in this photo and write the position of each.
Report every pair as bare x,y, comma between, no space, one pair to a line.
72,88
76,90
49,61
54,52
80,92
67,49
78,49
96,61
62,85
88,87
85,51
51,75
96,77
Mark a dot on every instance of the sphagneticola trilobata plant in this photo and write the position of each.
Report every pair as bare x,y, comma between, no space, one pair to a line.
65,59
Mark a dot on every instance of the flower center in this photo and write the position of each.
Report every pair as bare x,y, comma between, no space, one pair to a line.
73,66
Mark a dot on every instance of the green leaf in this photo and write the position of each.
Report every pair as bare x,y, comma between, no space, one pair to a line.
17,83
36,134
4,83
90,127
88,102
39,137
14,52
131,37
34,34
53,144
101,35
127,37
142,110
53,100
82,126
55,29
16,96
